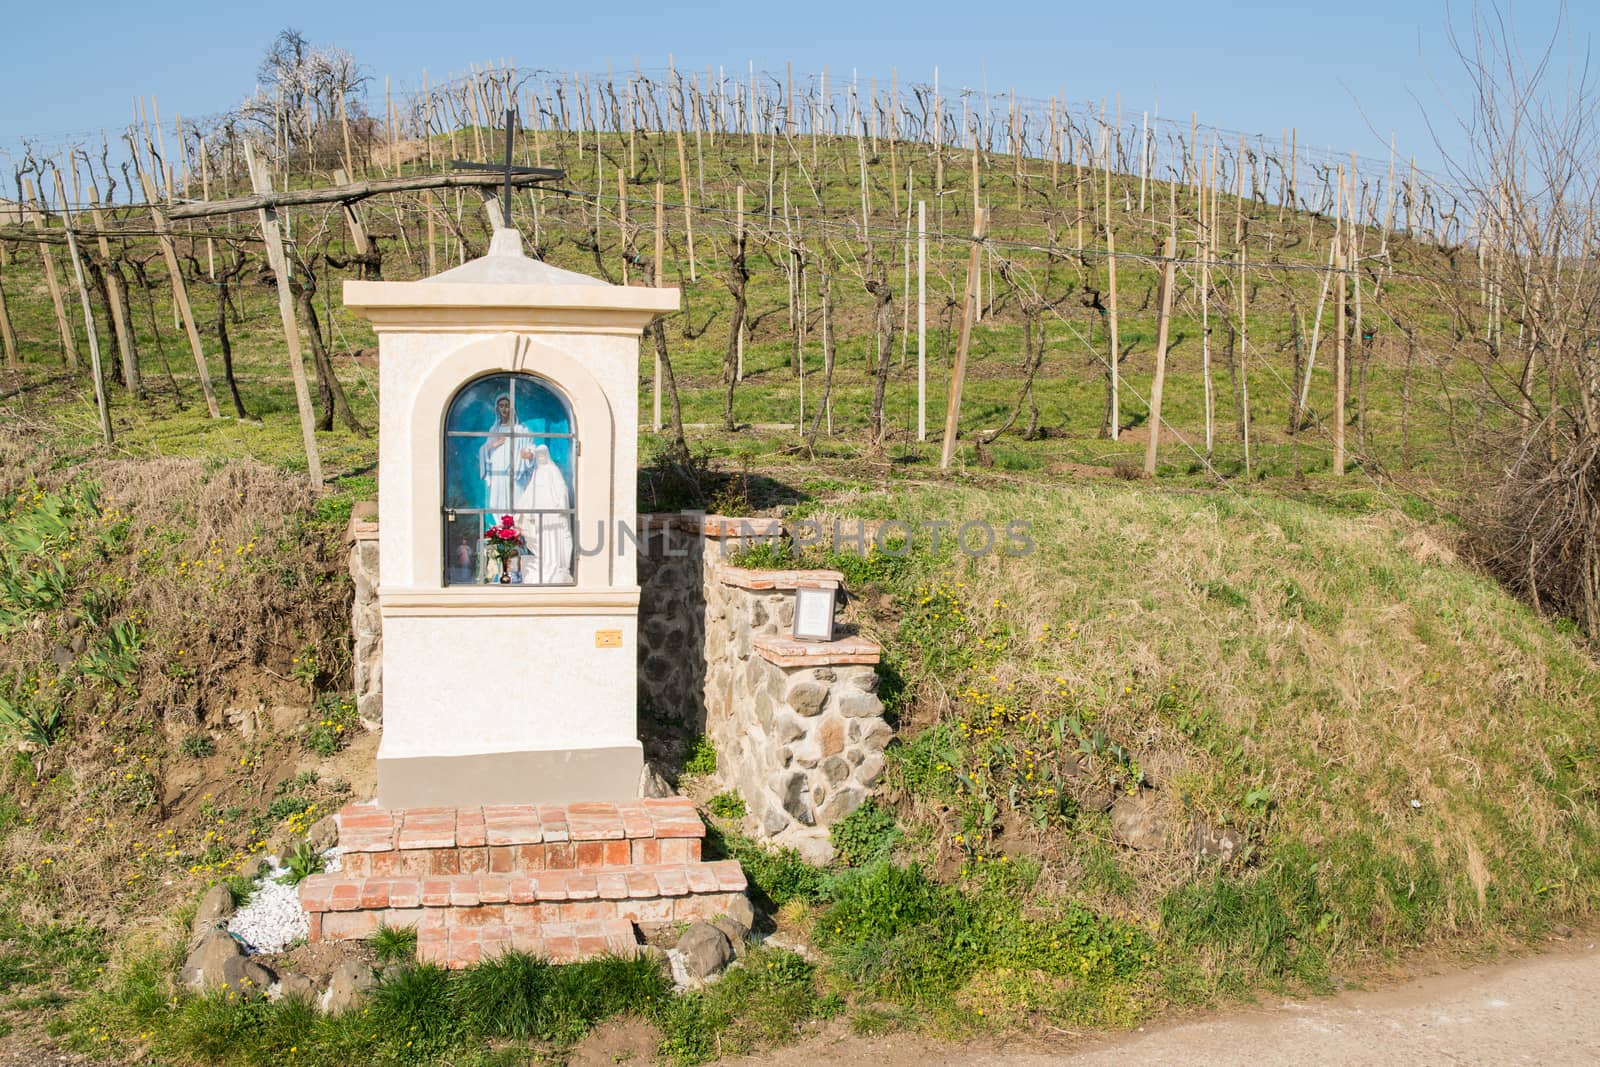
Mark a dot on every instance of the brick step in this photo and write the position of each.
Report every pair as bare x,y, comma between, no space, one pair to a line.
523,859
558,942
344,907
369,828
509,839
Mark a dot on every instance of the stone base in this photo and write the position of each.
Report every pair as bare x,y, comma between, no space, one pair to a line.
552,776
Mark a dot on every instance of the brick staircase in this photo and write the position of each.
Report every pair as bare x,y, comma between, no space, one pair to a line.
565,882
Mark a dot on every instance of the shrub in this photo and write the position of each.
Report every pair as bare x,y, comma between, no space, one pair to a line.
727,806
415,1004
864,834
394,944
197,746
301,864
335,723
702,758
779,875
522,997
761,1002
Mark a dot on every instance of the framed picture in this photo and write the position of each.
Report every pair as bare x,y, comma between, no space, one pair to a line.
813,613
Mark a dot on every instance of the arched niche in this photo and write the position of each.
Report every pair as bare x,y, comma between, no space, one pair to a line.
591,476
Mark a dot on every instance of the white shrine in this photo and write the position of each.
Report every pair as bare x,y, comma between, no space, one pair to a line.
508,388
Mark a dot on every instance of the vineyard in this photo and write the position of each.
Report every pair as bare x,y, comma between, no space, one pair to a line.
1301,311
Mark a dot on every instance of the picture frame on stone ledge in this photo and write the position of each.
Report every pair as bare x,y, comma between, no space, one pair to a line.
813,613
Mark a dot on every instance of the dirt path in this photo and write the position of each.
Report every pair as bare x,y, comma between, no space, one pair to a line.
1543,1010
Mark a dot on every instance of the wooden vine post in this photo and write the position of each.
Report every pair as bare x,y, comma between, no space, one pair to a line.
291,330
958,374
88,314
661,242
117,289
69,343
1158,383
1244,365
180,294
8,336
922,320
1338,363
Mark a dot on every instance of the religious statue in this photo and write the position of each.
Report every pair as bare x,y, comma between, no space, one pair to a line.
544,492
505,456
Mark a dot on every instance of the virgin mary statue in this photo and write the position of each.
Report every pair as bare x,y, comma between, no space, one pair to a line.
497,465
550,531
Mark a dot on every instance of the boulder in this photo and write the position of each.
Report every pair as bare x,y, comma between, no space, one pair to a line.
1135,822
349,984
214,908
734,932
247,976
814,848
845,799
1210,843
741,911
652,784
806,697
705,950
324,834
204,966
295,986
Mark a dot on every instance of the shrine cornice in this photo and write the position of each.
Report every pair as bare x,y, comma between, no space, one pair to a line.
501,600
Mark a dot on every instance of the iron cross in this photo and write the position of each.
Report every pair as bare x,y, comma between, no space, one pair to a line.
543,173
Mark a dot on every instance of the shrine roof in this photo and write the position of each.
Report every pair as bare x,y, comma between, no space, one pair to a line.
507,264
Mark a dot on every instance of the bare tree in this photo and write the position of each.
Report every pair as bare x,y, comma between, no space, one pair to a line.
1531,172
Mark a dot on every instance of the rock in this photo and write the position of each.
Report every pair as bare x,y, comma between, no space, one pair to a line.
324,834
652,785
734,932
858,705
870,769
248,977
814,848
295,986
741,911
214,908
789,728
806,697
1211,843
845,799
204,967
836,769
346,988
1136,823
830,736
791,787
773,820
705,949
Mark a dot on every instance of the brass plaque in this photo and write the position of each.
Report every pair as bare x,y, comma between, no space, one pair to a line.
608,639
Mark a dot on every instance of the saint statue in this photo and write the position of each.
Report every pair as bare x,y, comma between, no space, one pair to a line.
544,490
497,465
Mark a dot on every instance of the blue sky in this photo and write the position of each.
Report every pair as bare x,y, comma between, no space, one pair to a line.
1345,74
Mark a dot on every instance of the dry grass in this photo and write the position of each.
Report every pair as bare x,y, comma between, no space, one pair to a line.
1386,722
232,587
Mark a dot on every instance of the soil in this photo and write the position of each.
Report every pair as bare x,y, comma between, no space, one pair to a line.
628,1039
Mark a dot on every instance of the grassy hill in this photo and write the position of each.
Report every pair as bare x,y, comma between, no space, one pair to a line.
1399,753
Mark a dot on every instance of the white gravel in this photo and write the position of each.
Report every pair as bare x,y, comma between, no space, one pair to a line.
273,920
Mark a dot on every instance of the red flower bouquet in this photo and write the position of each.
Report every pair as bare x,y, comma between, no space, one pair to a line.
505,541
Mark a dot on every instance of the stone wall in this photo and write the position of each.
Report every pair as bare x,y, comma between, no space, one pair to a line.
797,726
366,624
